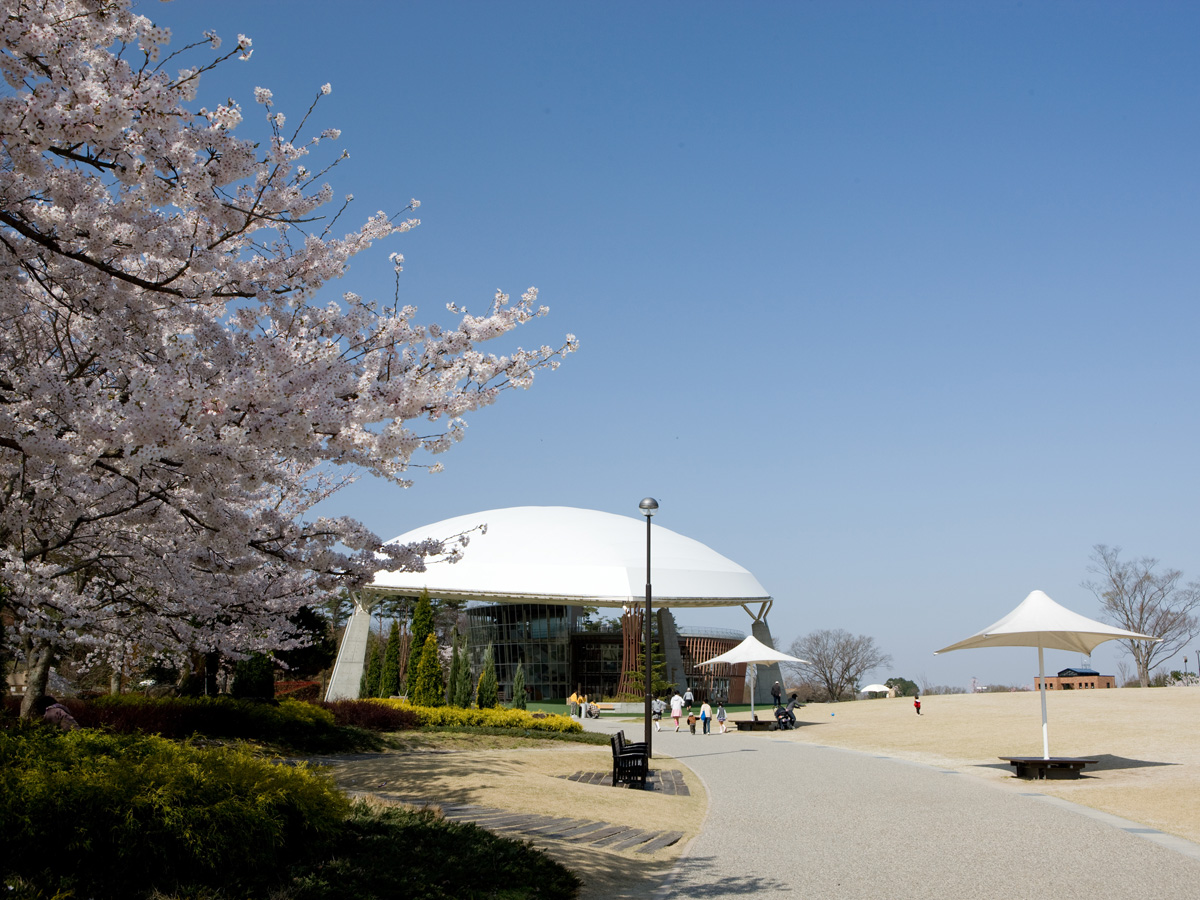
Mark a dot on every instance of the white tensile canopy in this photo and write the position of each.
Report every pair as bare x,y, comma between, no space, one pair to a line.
1040,622
564,555
752,651
874,689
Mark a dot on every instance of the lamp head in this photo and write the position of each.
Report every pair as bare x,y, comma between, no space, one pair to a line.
648,506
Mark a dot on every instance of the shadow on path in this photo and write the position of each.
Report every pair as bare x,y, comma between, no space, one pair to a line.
721,885
1105,762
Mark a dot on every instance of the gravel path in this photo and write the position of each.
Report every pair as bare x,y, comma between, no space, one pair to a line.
796,820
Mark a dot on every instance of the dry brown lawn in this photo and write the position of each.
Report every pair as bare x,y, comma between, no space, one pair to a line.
1146,740
525,776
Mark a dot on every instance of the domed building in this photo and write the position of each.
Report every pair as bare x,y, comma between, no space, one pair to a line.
533,579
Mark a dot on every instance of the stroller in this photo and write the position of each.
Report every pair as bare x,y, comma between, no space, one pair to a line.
592,711
785,716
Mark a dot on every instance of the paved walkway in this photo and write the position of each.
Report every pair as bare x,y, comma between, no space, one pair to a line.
788,819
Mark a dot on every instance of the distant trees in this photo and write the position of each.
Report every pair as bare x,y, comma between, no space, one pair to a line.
837,659
1138,596
904,687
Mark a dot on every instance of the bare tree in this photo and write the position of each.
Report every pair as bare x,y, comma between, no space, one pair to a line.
1138,598
838,659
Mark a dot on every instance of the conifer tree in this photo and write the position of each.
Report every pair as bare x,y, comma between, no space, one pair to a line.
455,663
518,687
428,690
389,684
487,694
422,627
369,686
462,686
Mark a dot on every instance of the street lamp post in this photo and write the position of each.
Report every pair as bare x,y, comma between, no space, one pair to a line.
648,506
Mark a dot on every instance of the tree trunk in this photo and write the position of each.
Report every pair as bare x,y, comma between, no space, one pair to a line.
38,676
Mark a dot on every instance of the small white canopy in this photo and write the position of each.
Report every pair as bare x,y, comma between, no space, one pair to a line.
564,555
752,651
875,689
1040,622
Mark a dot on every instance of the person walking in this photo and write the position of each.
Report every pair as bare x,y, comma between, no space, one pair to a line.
705,717
917,703
721,715
657,706
777,694
688,699
676,708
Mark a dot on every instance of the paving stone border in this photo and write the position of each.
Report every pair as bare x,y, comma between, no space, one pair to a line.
582,831
668,781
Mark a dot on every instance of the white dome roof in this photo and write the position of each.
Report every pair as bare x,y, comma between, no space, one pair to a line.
558,554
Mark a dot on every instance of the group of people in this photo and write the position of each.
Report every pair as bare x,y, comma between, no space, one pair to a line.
785,716
680,703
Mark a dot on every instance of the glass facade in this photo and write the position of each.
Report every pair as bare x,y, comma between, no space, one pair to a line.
596,663
536,635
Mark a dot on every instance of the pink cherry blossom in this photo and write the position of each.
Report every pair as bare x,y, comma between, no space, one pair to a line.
173,401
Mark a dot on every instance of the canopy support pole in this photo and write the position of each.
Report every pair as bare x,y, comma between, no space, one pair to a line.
753,683
1042,679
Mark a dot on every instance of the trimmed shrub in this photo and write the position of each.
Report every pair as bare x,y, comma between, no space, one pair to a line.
292,723
497,717
372,715
118,815
308,691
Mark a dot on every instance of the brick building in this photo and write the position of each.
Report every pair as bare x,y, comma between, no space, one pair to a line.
1076,680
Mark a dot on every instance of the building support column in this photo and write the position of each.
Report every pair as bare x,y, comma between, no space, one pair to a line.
352,655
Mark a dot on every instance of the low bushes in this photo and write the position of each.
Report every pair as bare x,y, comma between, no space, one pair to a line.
291,724
372,715
99,815
497,717
418,855
296,725
111,815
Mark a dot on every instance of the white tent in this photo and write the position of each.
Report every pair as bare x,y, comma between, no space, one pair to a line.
874,689
752,651
1040,622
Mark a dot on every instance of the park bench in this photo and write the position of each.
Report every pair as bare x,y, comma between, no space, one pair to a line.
1054,767
631,762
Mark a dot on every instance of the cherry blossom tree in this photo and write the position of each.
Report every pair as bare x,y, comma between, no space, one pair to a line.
174,398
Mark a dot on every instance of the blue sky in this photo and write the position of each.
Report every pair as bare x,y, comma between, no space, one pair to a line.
893,304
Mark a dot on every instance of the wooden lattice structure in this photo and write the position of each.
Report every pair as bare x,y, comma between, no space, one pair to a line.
698,648
631,653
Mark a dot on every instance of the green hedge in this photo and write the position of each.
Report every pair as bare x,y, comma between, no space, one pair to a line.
115,815
289,723
496,717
